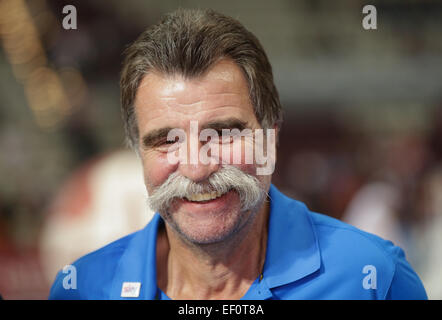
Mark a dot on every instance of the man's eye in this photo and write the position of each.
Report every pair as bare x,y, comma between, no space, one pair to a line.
164,145
168,145
169,141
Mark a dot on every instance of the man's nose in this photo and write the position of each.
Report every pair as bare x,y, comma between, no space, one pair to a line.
198,172
199,165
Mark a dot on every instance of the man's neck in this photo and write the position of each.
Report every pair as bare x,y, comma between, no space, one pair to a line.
212,272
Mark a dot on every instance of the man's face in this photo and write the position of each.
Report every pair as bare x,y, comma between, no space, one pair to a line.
217,100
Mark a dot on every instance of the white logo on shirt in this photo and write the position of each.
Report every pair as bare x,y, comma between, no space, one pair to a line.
130,289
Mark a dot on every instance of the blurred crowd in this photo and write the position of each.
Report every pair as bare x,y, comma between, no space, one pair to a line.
359,147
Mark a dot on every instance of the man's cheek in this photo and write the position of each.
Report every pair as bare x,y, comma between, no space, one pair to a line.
156,170
240,155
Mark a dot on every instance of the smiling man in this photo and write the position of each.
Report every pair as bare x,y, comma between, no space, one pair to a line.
221,229
215,213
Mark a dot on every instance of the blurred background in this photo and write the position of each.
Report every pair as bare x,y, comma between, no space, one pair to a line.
361,140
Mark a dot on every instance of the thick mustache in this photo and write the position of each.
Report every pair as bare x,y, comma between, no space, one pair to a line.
227,178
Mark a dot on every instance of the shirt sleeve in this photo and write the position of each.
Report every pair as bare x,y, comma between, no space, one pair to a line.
405,284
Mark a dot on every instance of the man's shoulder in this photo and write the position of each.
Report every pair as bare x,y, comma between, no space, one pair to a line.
333,234
340,235
334,238
350,263
325,222
90,276
107,255
379,266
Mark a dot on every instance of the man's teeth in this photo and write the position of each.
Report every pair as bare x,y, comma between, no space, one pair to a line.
204,196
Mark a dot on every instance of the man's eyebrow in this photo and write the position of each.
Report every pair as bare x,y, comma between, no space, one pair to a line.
152,137
230,123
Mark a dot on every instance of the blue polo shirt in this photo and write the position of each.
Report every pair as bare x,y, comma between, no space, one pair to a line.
309,256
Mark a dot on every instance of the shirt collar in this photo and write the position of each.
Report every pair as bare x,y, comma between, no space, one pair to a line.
292,249
292,246
138,263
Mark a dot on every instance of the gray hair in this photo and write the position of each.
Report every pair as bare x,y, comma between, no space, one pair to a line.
188,42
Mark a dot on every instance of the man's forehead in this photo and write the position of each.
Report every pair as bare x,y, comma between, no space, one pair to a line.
196,106
224,78
176,99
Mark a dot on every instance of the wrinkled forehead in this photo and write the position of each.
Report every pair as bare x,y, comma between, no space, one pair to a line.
225,76
221,91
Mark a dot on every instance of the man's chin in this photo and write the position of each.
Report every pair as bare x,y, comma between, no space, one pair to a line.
208,228
205,236
208,222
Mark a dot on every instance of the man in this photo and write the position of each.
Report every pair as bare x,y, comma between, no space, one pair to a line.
221,230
